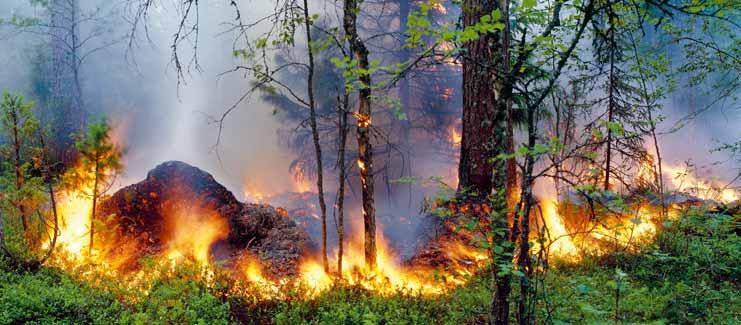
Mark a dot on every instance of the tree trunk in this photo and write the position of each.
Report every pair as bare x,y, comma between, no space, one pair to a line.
2,231
52,198
65,93
315,136
95,201
17,164
610,108
405,54
340,223
523,259
365,149
405,91
487,124
55,235
475,169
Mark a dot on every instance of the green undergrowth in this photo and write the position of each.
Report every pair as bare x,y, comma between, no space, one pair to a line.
689,275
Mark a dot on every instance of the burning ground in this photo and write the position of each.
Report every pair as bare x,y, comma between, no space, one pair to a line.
181,213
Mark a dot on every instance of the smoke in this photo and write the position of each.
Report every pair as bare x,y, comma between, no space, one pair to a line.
157,118
160,119
697,140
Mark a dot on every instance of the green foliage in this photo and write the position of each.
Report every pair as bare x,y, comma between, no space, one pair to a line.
181,297
690,275
50,296
350,305
100,159
21,189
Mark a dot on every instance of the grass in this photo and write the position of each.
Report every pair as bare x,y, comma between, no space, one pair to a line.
689,275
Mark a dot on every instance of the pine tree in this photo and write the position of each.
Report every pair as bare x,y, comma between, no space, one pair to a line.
100,162
22,190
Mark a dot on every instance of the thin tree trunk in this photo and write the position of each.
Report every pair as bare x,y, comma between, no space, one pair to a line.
315,136
610,109
17,167
95,201
649,106
342,176
660,175
54,237
524,315
65,89
2,231
405,55
52,199
365,149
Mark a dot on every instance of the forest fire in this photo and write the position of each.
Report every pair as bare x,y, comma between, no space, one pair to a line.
74,224
191,231
683,180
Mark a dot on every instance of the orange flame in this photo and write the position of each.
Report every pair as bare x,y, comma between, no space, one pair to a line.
455,136
192,232
74,222
713,189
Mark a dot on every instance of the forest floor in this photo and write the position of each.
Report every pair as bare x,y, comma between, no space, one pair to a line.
691,273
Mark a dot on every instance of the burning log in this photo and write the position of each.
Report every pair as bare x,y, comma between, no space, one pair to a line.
180,210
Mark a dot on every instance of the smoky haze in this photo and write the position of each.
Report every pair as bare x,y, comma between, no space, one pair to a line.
159,119
155,118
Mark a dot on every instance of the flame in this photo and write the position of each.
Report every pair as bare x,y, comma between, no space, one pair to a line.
192,232
300,180
74,222
454,136
559,240
684,181
390,275
626,230
364,120
361,164
440,8
252,195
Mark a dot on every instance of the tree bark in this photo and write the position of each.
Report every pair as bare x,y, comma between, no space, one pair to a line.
95,201
405,55
475,169
343,109
486,133
2,231
17,163
610,109
365,149
66,91
52,198
523,260
315,136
